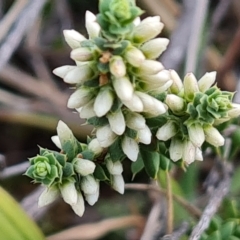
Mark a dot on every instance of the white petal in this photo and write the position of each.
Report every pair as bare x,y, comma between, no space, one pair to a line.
56,141
48,196
63,70
145,135
176,149
135,120
189,152
124,88
206,81
84,167
114,168
73,38
118,183
79,206
135,104
105,136
213,136
69,193
196,134
167,131
130,148
95,147
89,184
117,122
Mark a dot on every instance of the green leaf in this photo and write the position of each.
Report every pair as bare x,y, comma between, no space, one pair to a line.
137,166
131,133
227,229
87,154
119,51
103,67
68,170
61,158
215,236
115,151
97,122
100,42
92,83
87,43
164,162
100,174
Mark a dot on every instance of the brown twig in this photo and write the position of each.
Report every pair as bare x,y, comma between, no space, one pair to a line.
169,204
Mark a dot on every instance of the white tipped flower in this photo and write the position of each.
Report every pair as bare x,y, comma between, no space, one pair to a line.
175,103
235,111
63,71
134,104
189,152
48,196
87,111
196,134
64,132
148,28
155,47
158,79
130,148
176,149
89,184
80,97
69,192
134,56
79,74
198,155
158,88
105,136
206,81
95,147
150,67
137,21
145,135
84,167
73,38
117,122
190,86
177,85
213,136
81,54
92,198
135,121
55,139
151,105
117,67
103,101
123,88
118,183
167,131
79,206
114,168
91,25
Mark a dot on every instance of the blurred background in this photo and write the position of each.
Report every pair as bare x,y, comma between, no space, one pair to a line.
204,36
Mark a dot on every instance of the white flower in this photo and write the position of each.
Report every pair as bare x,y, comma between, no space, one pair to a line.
63,70
48,196
189,152
73,38
103,101
198,155
155,47
130,148
55,139
64,132
87,111
95,147
176,149
167,131
79,206
117,67
158,88
159,78
235,111
118,183
206,81
134,104
105,136
80,97
134,56
83,166
148,28
91,25
150,67
89,184
92,198
145,135
177,85
114,168
135,120
69,192
175,103
81,54
196,134
190,86
117,122
213,136
123,88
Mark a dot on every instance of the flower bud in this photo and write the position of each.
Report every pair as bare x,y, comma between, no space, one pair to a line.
145,135
206,81
123,88
189,152
79,206
117,122
135,121
91,25
81,54
89,184
73,38
105,136
176,149
134,56
92,198
148,28
150,67
177,85
213,136
79,75
130,148
175,103
69,192
167,131
95,147
137,21
48,196
235,111
83,166
114,168
80,97
198,155
134,104
160,78
196,134
117,67
87,111
154,48
103,101
63,71
118,183
64,132
190,86
55,139
158,88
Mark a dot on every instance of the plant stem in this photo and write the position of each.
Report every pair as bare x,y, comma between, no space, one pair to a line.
169,204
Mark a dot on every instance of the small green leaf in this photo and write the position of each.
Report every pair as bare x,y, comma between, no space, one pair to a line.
87,43
68,170
137,166
227,229
131,133
97,122
87,154
215,236
115,151
100,174
164,162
